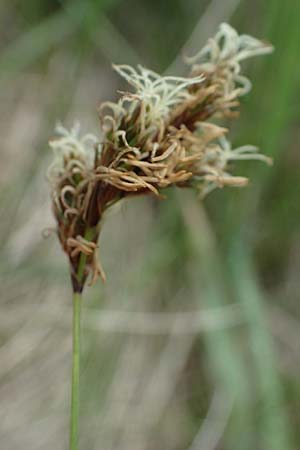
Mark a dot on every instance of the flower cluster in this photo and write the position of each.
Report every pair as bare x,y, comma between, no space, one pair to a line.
160,133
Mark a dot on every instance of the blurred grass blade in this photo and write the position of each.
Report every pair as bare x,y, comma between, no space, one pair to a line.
226,363
273,417
36,42
284,75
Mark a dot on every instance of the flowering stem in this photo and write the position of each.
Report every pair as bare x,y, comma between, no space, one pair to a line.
77,303
77,300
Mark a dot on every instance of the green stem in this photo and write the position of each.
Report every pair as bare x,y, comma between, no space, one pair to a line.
77,302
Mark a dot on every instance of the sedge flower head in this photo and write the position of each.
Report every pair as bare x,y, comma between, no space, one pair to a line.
162,132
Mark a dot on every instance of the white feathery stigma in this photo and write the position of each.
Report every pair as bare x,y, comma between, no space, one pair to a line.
71,151
226,50
157,94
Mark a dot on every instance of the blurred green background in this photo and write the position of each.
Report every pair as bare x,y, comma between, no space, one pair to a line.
193,343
